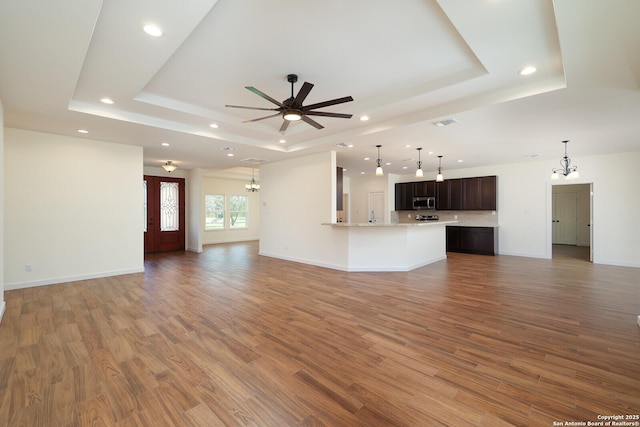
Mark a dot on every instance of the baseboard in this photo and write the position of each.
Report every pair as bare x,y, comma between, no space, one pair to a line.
54,281
4,305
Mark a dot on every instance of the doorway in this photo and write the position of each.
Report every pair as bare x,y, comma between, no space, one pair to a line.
376,206
571,221
164,217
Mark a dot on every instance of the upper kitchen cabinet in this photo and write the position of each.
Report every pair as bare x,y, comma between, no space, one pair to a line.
479,193
425,189
405,192
449,195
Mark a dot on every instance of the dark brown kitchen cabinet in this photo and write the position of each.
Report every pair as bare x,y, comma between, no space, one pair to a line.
405,191
472,240
449,195
339,188
425,189
479,193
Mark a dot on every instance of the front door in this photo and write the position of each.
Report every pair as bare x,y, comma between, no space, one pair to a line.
164,214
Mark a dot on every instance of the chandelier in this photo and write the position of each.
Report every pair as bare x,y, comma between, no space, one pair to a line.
252,187
569,172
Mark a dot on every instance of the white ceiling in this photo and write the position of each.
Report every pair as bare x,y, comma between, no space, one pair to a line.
407,65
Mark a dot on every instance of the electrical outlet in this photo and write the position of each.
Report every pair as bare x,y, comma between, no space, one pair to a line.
28,268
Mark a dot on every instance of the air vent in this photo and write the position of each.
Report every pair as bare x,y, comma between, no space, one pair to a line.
445,122
254,160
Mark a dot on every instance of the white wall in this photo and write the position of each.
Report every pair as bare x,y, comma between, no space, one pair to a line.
229,187
297,196
73,209
2,243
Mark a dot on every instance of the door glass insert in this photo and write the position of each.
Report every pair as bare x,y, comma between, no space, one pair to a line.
169,206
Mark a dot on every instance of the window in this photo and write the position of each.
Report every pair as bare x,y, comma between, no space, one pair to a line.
238,211
169,206
214,212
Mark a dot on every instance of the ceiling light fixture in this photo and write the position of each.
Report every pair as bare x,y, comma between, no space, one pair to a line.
152,30
439,177
107,101
252,187
528,70
569,172
379,171
169,166
419,173
291,115
214,126
83,131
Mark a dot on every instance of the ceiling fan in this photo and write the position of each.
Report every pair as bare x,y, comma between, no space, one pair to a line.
292,109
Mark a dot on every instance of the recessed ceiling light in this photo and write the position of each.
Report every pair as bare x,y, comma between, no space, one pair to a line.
404,167
213,125
430,152
83,131
407,146
165,144
152,30
388,163
364,118
527,70
282,141
460,161
230,155
362,173
367,158
107,101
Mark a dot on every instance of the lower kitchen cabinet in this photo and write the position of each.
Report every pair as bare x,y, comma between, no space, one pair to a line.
472,240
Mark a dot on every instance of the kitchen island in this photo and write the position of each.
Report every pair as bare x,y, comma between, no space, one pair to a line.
391,246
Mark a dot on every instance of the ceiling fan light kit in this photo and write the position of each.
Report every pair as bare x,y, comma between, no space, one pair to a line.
293,108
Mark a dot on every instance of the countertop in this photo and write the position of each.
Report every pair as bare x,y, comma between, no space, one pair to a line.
396,224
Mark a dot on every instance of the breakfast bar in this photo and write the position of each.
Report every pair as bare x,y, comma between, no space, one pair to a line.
390,246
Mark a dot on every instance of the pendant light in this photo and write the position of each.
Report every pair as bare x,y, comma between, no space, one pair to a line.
439,177
252,187
169,166
569,172
419,173
379,171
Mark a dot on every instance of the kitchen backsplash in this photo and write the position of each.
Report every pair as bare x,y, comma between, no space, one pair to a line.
469,218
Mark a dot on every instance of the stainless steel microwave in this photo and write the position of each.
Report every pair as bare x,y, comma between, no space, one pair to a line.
424,203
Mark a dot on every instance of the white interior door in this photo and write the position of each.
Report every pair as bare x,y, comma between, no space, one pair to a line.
565,219
376,206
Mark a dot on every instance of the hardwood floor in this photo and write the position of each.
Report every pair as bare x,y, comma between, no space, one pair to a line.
229,338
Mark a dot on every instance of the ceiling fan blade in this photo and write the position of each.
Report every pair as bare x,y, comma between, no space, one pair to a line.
265,96
312,122
261,118
327,103
322,113
285,125
252,108
302,94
